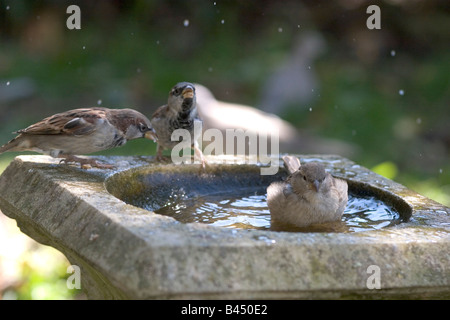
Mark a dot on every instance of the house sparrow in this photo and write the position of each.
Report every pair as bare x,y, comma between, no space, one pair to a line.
82,131
180,112
310,195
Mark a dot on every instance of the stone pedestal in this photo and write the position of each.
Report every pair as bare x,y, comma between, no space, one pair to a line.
126,252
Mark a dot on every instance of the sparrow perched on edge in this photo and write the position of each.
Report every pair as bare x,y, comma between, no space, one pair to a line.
180,112
82,131
310,195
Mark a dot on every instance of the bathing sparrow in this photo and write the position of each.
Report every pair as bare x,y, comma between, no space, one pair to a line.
309,196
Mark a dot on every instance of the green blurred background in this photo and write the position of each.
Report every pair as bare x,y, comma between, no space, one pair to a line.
386,91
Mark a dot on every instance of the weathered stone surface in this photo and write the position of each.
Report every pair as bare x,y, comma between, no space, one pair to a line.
127,252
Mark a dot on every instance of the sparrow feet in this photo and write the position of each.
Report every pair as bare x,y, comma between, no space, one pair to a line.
203,165
86,163
198,155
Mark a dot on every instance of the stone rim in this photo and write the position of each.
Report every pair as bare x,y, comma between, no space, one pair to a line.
284,265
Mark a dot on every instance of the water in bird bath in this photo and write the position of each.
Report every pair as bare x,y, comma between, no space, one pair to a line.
234,196
247,209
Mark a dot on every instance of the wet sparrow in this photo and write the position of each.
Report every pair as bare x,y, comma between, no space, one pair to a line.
310,195
180,112
82,131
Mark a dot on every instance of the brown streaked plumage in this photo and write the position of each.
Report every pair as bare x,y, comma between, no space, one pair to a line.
309,196
81,131
180,112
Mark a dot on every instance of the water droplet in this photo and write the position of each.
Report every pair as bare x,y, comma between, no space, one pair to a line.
214,3
298,26
310,109
7,7
186,22
401,92
440,170
309,67
8,83
392,53
210,69
419,120
280,29
99,101
84,47
157,42
222,21
138,70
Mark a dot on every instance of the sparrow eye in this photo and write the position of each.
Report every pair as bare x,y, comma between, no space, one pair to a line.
176,91
143,127
304,178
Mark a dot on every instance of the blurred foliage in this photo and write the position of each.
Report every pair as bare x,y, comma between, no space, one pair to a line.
387,169
387,91
42,271
29,270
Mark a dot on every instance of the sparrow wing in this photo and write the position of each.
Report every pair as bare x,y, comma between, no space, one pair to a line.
340,186
73,122
160,112
340,189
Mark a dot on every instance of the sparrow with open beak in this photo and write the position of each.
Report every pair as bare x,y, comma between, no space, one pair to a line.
180,112
82,131
309,196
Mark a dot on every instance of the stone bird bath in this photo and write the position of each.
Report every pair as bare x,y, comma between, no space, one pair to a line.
126,252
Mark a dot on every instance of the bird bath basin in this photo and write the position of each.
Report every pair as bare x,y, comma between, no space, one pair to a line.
234,196
96,218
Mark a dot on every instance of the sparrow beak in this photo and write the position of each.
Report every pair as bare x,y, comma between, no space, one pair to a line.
188,92
151,135
316,185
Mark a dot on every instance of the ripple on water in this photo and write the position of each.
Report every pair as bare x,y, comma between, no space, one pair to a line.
248,210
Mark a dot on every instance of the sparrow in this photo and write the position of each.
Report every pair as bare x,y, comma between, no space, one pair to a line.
180,112
309,196
82,131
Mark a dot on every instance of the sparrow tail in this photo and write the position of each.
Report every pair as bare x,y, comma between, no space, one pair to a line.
10,146
291,163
